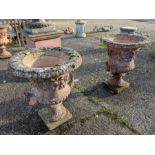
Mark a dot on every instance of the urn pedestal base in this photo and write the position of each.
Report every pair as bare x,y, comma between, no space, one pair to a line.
117,84
4,54
53,118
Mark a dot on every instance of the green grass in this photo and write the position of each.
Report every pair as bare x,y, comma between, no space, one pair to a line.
101,45
113,115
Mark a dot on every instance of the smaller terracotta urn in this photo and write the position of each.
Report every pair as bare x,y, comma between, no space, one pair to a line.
4,40
50,73
122,50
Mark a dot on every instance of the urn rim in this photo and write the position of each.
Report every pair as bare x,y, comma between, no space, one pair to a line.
18,68
137,41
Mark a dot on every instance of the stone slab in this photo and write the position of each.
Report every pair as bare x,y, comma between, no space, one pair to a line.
99,125
45,115
52,33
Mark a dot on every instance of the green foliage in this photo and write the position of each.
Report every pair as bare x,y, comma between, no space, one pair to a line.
102,45
57,65
64,128
113,115
72,54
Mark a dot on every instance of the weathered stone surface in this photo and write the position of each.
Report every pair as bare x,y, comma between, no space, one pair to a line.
46,114
105,28
122,50
19,62
128,29
80,29
46,40
39,26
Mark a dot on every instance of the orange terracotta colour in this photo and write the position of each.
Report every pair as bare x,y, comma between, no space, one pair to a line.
56,42
122,50
4,40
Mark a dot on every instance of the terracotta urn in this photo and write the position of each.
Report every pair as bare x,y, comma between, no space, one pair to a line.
4,40
122,50
49,71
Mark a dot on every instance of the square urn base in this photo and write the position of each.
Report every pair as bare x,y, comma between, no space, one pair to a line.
45,115
117,90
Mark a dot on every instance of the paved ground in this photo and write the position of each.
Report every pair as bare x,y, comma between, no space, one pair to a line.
95,109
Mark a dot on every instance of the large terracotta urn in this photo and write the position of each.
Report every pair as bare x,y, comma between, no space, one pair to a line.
4,40
122,50
49,71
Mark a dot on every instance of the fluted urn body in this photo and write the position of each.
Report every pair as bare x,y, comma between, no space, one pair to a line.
50,73
4,40
122,50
